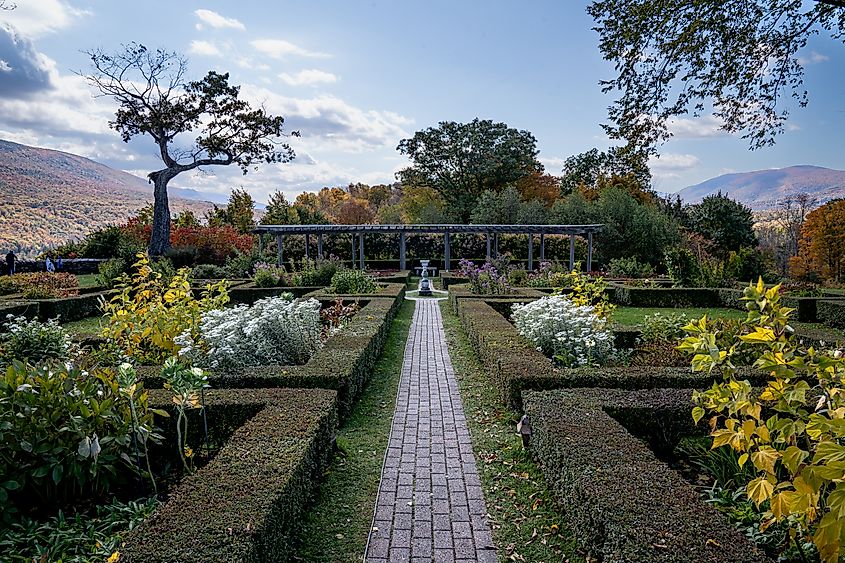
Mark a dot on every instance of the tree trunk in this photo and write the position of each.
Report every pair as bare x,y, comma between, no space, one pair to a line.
160,237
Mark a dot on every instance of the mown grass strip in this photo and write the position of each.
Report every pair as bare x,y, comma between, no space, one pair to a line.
527,525
338,523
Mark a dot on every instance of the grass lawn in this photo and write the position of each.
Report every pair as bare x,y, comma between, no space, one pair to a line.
90,324
87,280
527,525
633,316
337,526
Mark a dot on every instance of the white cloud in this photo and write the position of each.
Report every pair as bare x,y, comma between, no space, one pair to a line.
309,77
33,18
217,21
703,127
279,48
553,165
205,48
673,162
812,58
333,121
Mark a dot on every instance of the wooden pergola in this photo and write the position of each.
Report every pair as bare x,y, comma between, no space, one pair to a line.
491,232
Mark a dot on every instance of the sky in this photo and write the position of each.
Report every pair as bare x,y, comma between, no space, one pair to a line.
356,77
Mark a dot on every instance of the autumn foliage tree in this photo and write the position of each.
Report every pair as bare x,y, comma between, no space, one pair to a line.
820,250
156,100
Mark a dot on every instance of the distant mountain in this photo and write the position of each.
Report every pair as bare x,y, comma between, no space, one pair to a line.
764,188
48,197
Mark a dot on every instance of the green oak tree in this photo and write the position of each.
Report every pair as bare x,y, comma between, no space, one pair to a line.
736,58
155,99
462,160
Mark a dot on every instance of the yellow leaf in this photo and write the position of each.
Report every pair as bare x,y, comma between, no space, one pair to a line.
759,490
748,428
697,414
792,457
780,506
742,459
721,438
764,459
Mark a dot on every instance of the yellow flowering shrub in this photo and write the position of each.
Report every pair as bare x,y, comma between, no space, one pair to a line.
588,292
146,313
792,431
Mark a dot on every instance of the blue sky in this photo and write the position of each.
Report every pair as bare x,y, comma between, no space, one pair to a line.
356,77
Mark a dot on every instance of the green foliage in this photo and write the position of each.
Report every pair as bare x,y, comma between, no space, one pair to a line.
33,341
659,327
279,211
75,538
40,285
111,242
589,168
208,272
241,265
726,222
589,291
682,266
501,155
791,431
629,267
186,384
721,464
111,271
700,57
146,313
65,434
353,282
748,264
238,213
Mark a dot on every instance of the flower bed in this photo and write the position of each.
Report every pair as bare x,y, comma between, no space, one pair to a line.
625,504
515,365
245,505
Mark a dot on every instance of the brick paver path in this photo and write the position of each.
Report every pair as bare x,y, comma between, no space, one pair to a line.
430,506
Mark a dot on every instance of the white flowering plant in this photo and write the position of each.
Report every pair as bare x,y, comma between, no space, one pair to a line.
573,335
32,341
273,331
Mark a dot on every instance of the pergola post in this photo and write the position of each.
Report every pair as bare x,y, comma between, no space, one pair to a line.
352,238
280,249
530,252
446,252
496,245
402,251
542,246
590,251
361,250
307,244
571,252
488,245
260,244
320,246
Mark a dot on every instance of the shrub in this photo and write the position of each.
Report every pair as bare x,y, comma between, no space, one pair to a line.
353,282
42,285
658,327
571,334
8,285
273,331
517,278
268,275
629,268
682,266
146,314
748,264
486,280
211,245
316,273
110,271
33,341
208,272
75,439
241,265
790,430
589,292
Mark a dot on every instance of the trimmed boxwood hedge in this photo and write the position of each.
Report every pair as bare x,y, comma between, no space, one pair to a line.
448,279
515,365
387,291
402,276
28,309
245,505
71,308
520,295
832,313
664,296
344,364
624,503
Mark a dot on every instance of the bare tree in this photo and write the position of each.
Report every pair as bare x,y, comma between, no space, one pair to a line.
155,100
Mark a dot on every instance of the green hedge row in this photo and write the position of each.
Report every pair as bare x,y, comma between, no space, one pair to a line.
343,364
448,279
250,293
832,313
515,365
520,295
245,505
66,309
402,276
386,291
664,296
624,503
